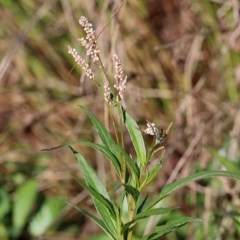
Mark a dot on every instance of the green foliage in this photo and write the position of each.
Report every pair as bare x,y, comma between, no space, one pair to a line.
23,203
38,66
120,212
110,211
106,208
229,164
115,150
168,189
172,225
46,216
5,203
27,219
137,138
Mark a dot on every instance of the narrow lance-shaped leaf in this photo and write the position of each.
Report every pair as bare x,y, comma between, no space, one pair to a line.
152,212
129,161
90,175
101,148
136,137
104,207
169,188
140,205
107,153
99,222
170,226
103,133
99,198
131,190
24,199
47,215
110,143
93,182
146,214
151,175
224,160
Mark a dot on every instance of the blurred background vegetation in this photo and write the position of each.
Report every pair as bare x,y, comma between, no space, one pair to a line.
183,62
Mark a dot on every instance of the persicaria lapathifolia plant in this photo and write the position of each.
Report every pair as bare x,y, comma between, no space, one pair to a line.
118,214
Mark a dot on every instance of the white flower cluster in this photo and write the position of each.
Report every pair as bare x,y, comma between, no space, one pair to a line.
152,130
89,42
121,82
81,62
107,93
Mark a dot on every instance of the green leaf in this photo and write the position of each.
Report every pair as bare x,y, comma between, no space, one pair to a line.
90,175
230,166
46,216
151,212
167,189
130,163
170,226
105,208
152,174
107,153
103,133
110,144
131,190
24,199
100,199
99,222
113,156
146,214
141,205
100,236
4,203
136,137
98,192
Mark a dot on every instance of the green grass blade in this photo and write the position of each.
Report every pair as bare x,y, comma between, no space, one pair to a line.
167,189
136,137
170,226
